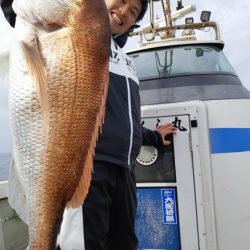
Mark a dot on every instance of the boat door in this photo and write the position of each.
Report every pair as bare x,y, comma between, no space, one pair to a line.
166,215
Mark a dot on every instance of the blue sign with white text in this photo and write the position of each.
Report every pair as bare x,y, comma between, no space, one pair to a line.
157,226
169,206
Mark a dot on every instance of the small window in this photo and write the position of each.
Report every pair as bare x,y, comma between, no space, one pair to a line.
156,165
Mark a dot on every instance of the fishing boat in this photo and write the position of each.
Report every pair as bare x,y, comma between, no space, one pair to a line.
193,194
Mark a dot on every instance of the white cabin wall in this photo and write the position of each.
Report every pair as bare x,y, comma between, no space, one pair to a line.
230,176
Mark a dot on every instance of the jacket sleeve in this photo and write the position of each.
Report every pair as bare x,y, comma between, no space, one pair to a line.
151,138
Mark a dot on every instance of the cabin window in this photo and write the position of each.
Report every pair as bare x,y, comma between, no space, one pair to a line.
162,169
184,60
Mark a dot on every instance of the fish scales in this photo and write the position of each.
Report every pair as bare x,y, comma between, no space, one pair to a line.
53,168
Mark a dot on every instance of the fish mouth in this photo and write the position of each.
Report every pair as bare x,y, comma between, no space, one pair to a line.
116,18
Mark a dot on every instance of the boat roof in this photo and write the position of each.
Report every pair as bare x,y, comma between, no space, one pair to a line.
175,43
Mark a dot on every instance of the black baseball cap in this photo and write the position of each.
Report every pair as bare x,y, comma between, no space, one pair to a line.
144,7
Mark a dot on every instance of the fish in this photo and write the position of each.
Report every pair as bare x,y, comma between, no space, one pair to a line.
59,70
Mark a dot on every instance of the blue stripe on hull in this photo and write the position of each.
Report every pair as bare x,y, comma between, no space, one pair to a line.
229,140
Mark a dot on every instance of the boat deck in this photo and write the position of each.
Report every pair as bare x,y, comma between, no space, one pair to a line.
13,231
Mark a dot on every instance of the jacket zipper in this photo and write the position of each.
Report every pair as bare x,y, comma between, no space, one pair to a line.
129,112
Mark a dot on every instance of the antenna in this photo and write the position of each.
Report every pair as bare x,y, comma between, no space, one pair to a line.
168,19
164,29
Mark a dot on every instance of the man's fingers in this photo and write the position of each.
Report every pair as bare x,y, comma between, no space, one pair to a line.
164,126
166,143
166,129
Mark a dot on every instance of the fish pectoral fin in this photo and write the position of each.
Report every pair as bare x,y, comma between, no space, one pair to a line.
37,71
82,189
83,186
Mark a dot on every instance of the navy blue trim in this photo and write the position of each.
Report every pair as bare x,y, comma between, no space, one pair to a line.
186,80
229,140
191,93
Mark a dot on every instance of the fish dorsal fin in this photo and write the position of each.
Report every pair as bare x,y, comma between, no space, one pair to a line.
37,71
83,185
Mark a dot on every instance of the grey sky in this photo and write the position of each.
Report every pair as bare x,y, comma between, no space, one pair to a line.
5,142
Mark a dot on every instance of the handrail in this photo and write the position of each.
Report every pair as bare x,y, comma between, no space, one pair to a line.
191,26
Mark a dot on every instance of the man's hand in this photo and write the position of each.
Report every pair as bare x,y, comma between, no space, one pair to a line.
164,130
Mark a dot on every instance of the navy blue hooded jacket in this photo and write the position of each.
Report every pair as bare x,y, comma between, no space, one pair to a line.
122,134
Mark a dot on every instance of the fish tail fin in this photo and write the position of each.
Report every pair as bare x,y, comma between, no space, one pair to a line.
37,70
84,183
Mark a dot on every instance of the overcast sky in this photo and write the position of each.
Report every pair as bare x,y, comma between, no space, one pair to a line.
234,21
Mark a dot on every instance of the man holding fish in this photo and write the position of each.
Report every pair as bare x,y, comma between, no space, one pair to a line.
108,212
60,75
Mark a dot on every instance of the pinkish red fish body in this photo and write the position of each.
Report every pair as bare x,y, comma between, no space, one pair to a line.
59,81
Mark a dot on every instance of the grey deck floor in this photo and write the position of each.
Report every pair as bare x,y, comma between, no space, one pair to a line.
5,160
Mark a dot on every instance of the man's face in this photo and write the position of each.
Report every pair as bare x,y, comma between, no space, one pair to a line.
122,14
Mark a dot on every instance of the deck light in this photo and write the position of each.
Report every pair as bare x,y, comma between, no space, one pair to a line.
189,20
179,5
149,36
205,16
